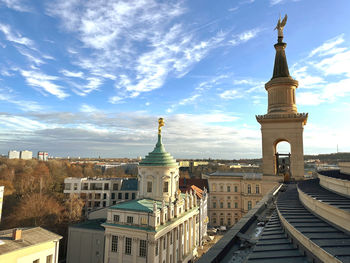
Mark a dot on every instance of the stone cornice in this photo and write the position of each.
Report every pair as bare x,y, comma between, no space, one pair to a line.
291,117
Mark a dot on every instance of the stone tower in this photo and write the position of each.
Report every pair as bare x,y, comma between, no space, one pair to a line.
282,121
158,174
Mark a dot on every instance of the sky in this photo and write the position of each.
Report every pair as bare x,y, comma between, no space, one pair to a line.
91,78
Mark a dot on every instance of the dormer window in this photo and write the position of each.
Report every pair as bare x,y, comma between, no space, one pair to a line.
166,187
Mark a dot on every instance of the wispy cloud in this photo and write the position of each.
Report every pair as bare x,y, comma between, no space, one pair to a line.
322,72
114,31
44,82
244,36
24,105
72,74
17,5
15,36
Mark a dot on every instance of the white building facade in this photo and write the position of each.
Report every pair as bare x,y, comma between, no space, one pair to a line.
162,225
14,154
101,192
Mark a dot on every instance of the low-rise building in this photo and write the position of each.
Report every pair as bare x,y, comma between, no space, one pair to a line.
14,154
43,156
232,195
101,192
32,245
26,155
86,242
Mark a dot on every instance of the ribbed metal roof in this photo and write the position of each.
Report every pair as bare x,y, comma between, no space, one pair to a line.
159,157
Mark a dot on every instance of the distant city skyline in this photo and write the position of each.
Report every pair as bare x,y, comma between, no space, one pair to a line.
91,78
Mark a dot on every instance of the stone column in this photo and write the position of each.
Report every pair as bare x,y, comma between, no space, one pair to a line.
161,249
180,242
194,230
151,253
190,235
134,249
167,247
185,237
174,245
107,247
120,248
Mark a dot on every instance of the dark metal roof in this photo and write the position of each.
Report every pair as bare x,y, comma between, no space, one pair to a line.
313,189
335,174
281,66
129,185
274,246
326,236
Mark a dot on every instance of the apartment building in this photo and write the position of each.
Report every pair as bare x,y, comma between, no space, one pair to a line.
101,192
232,195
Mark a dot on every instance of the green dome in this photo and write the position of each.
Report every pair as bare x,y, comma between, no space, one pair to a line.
159,157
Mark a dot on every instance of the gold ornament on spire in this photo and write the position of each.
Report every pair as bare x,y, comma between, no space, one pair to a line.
280,25
160,125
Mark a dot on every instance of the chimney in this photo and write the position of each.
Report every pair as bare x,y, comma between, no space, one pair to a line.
17,234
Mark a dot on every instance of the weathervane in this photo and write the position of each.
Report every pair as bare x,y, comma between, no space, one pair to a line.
160,124
280,25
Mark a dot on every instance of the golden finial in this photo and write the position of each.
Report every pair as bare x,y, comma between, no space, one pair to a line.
160,124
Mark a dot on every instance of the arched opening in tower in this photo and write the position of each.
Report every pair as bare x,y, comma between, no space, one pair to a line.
282,159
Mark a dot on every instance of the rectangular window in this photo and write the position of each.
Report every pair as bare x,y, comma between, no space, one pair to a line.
143,245
49,259
115,186
143,221
221,205
133,196
120,196
236,205
106,186
149,187
236,188
97,196
116,218
228,188
257,189
249,189
104,196
229,221
129,219
114,246
113,195
75,186
166,187
249,205
214,220
228,205
128,245
126,196
157,248
214,204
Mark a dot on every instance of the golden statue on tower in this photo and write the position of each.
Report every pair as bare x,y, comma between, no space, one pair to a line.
160,125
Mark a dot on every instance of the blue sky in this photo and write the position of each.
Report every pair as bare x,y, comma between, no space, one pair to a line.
90,77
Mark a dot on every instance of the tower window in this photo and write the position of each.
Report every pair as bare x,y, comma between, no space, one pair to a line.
149,187
166,187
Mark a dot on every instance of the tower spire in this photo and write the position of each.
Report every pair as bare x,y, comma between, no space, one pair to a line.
281,66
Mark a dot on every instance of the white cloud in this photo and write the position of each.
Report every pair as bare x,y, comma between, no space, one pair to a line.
44,82
115,31
87,108
15,37
231,94
17,5
72,74
244,36
328,47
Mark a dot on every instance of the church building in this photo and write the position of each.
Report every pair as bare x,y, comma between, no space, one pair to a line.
162,225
